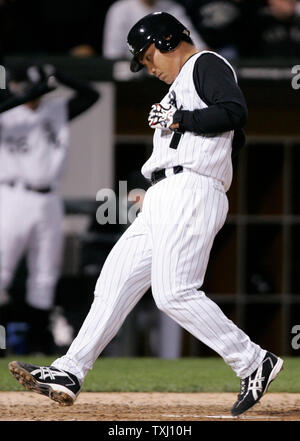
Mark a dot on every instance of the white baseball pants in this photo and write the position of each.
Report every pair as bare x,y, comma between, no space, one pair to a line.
31,224
167,247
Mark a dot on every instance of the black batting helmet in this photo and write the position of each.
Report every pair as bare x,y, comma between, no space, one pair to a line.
160,28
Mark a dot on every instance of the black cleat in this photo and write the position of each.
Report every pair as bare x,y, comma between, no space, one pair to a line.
60,386
254,386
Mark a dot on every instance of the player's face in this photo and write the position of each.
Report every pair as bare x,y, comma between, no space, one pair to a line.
164,66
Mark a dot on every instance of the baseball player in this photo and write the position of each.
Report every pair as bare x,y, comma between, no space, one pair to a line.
169,243
33,150
8,100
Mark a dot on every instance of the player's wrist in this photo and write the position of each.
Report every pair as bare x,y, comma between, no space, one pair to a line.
177,124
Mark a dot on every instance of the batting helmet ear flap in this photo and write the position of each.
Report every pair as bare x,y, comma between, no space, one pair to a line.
170,42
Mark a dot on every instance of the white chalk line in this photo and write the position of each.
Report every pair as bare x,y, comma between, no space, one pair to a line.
219,416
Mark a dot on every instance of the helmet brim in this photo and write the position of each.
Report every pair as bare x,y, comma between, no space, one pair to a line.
135,65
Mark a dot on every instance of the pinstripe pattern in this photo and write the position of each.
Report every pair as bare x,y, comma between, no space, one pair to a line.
208,155
167,247
124,279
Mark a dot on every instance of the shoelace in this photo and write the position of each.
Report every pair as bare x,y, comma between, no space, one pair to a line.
243,387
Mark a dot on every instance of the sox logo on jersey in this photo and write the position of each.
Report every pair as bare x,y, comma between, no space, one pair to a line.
161,117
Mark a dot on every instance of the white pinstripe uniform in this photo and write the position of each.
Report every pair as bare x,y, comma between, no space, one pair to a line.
168,247
33,149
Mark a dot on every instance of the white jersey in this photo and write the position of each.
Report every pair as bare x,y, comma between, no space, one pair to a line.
209,154
34,143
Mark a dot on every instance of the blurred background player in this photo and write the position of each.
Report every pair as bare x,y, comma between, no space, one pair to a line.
225,25
123,14
33,149
277,31
9,100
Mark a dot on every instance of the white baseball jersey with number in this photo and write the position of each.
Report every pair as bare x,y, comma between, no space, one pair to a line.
33,149
34,143
168,246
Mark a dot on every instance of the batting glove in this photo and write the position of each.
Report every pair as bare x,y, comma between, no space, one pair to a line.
161,117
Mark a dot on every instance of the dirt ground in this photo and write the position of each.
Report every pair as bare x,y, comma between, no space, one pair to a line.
28,406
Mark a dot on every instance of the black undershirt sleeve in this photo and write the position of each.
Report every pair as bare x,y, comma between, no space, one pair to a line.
84,97
9,101
227,109
216,86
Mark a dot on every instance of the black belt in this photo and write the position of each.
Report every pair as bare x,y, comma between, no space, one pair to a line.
158,175
43,190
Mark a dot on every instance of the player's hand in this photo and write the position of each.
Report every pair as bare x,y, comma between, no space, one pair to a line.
34,74
50,75
161,117
37,74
